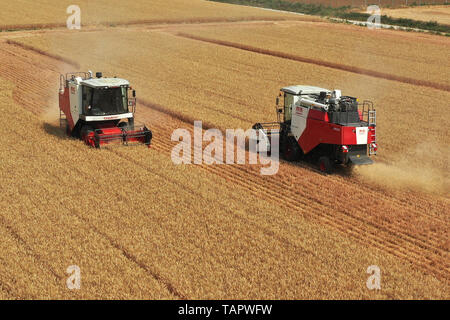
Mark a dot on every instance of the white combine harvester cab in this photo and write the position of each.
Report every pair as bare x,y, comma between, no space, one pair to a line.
99,110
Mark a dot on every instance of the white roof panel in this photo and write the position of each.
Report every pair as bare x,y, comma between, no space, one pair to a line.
105,82
304,89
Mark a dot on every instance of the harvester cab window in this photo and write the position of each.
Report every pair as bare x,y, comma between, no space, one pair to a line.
87,96
288,102
105,101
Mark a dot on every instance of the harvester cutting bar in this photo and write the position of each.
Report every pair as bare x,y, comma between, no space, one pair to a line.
104,136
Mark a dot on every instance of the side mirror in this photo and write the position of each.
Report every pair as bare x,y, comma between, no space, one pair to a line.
278,100
134,93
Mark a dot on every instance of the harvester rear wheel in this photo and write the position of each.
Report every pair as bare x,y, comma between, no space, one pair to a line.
325,165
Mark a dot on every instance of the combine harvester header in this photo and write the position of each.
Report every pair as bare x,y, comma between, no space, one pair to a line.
324,126
99,110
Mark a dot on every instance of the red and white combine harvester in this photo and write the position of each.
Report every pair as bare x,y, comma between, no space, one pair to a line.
323,126
99,110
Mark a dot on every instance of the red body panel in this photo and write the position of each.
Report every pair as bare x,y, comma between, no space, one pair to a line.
64,105
319,130
348,135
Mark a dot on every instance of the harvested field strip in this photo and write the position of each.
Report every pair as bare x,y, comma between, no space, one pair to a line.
298,174
264,221
25,14
152,22
418,234
317,62
44,53
415,241
389,52
87,174
35,85
295,205
173,113
247,83
284,246
342,226
383,240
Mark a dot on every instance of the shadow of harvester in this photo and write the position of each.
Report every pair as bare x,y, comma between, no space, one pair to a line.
55,130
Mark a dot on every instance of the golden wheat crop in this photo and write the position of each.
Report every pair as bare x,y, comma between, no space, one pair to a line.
141,227
364,3
382,51
46,13
439,14
240,90
150,229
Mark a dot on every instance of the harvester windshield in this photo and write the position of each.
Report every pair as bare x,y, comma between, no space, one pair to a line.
105,101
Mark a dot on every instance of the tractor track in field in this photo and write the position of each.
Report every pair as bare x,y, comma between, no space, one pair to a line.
417,248
319,212
5,224
317,62
395,237
44,53
152,23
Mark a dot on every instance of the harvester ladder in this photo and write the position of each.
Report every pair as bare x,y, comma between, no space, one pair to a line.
372,121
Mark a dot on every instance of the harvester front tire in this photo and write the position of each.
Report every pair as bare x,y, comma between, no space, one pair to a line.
123,125
85,130
325,165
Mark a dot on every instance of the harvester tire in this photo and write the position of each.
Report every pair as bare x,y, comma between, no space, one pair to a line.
123,125
291,150
325,165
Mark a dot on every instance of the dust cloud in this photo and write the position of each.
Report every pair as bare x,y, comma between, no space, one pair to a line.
424,169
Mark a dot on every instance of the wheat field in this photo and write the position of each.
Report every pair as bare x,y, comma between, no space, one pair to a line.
140,227
140,242
239,92
23,14
440,14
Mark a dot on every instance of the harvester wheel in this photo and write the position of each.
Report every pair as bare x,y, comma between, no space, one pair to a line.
291,151
122,125
85,130
325,165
